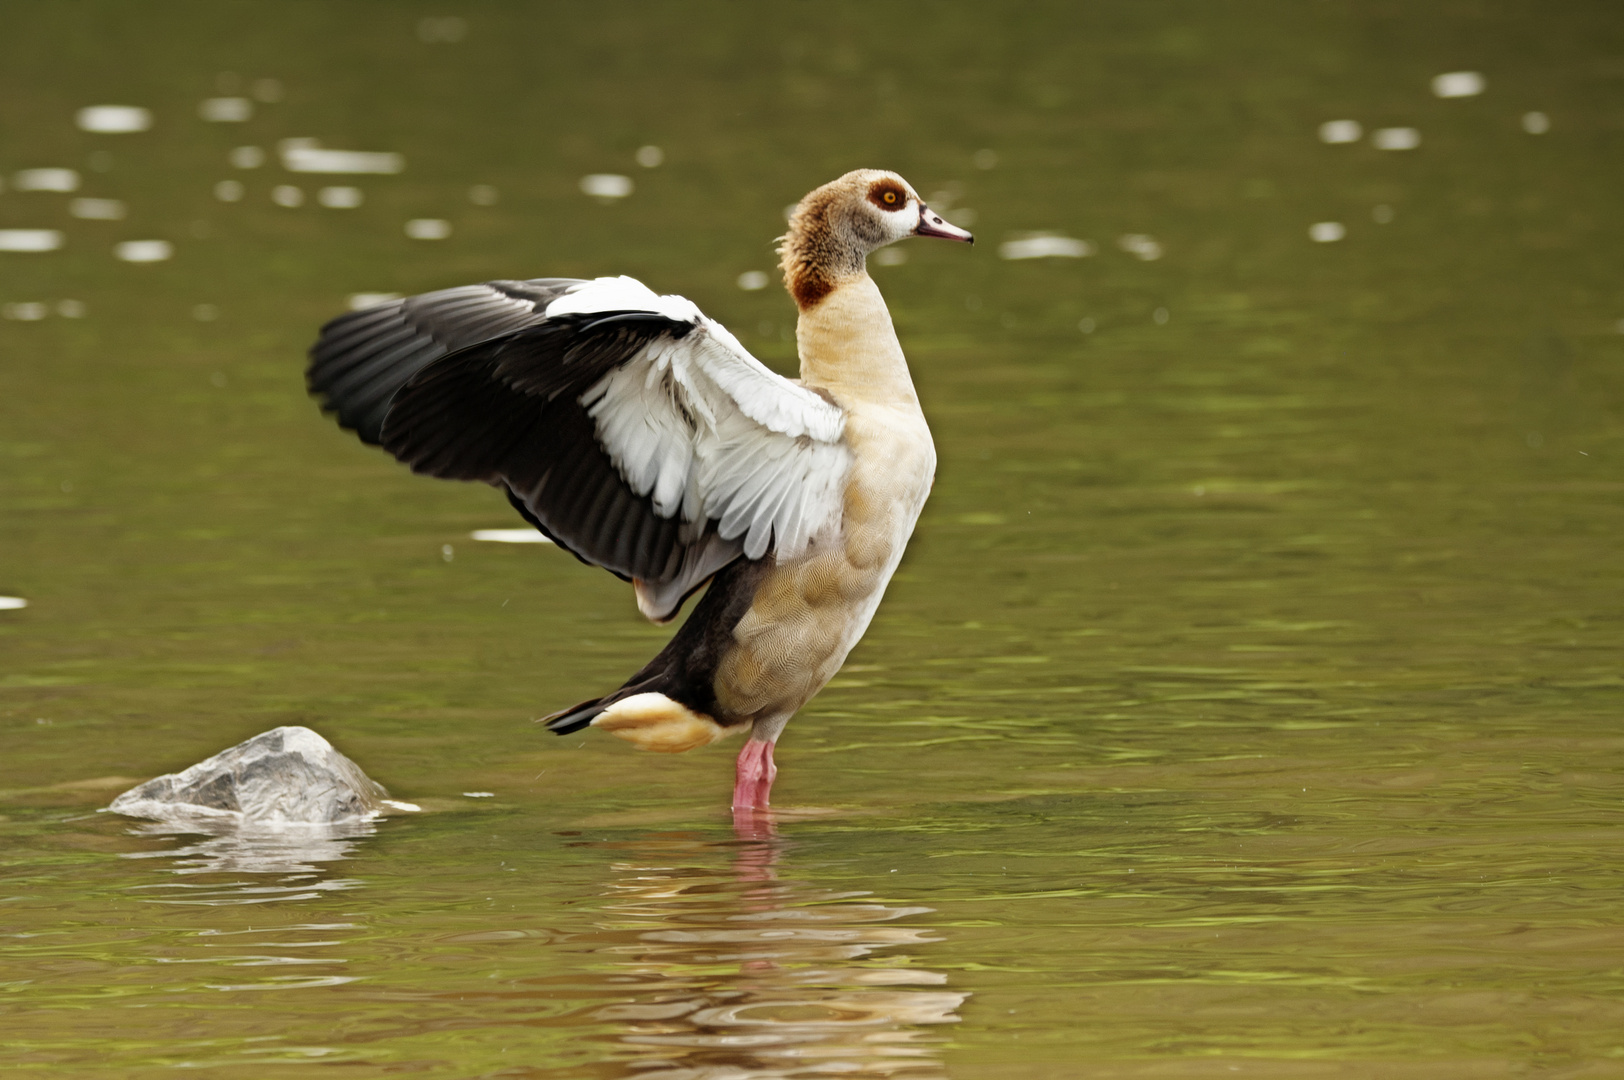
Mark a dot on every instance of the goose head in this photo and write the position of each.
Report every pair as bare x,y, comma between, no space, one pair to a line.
833,230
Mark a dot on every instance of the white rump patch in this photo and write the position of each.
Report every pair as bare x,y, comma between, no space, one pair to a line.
655,722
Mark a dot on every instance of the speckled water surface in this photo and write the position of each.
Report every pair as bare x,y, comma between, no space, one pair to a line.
1250,701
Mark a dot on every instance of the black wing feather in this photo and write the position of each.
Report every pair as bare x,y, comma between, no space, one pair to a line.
477,384
363,358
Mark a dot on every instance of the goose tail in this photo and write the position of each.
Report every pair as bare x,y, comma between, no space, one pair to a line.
573,718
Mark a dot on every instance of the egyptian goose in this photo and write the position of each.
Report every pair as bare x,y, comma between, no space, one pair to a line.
640,436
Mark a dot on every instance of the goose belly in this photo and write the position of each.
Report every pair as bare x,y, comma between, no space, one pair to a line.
808,612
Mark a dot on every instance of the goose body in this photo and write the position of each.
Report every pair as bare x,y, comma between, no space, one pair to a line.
642,437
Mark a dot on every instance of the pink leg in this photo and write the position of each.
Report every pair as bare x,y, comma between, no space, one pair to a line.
754,775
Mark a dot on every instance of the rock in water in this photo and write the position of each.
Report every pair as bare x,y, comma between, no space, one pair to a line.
285,776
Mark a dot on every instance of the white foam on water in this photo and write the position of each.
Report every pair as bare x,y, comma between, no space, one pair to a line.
509,536
340,198
97,209
70,309
1327,232
1045,246
1341,131
1536,123
30,239
12,603
228,191
246,157
25,311
144,251
428,228
300,157
46,180
607,185
226,110
1456,84
1395,138
113,119
650,157
360,300
287,195
751,280
479,794
1141,246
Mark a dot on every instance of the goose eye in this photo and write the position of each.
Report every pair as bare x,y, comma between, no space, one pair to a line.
887,196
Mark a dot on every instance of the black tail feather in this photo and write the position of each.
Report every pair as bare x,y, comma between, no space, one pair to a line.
685,670
574,718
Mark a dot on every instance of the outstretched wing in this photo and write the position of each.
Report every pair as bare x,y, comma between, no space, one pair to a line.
637,433
364,357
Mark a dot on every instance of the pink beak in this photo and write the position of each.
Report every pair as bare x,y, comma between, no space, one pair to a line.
933,224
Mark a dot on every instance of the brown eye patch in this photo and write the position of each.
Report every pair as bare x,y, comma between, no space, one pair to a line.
888,195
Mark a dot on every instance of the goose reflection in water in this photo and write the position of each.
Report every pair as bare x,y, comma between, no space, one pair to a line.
700,959
761,977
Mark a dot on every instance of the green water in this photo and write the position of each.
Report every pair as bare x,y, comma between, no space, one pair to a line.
1249,702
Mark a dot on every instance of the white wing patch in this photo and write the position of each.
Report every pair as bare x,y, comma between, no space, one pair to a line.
621,294
707,431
